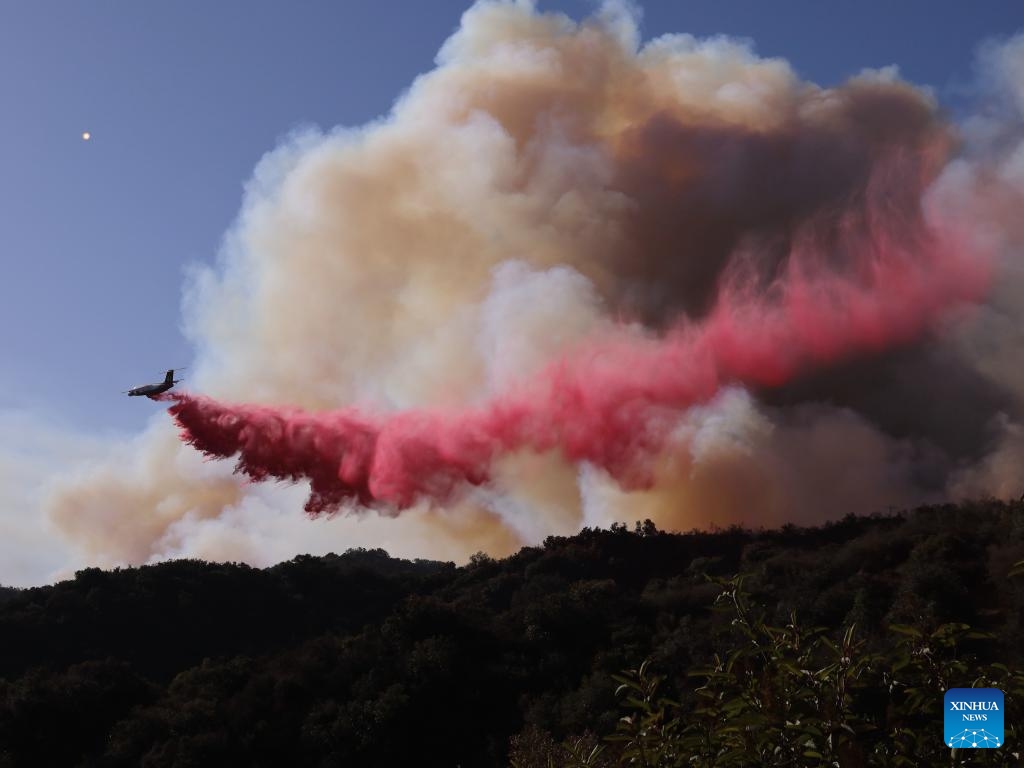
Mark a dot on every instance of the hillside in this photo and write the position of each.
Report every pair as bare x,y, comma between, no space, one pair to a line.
363,659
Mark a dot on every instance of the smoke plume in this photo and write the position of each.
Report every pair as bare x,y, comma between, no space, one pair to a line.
613,404
572,279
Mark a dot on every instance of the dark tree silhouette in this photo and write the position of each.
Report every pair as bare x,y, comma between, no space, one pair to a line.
364,659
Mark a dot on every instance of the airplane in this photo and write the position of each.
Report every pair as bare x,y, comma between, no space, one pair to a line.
152,390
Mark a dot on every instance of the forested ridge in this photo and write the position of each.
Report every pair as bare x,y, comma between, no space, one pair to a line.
364,659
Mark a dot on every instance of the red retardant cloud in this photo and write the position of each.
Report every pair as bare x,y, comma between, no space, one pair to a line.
614,402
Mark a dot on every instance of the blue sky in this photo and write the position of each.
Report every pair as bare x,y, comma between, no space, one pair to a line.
183,98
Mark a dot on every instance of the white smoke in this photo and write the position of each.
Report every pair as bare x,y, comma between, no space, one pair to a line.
526,194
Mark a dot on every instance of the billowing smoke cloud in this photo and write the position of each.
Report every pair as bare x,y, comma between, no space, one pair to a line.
611,404
989,182
571,279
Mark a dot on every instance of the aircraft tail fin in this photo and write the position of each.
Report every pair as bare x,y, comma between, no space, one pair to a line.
169,378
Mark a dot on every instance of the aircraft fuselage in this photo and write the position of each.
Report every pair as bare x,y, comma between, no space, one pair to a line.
149,390
152,390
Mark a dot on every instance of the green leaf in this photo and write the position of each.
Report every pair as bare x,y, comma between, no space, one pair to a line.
904,629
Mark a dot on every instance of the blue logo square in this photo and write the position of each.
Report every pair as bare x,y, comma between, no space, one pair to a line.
974,718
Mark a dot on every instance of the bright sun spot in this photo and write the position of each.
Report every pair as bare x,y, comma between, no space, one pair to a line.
86,136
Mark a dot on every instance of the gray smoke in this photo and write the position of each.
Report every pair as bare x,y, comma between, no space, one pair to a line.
549,181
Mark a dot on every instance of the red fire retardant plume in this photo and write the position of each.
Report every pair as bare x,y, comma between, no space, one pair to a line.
614,402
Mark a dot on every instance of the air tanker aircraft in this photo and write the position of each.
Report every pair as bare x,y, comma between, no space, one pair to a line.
152,390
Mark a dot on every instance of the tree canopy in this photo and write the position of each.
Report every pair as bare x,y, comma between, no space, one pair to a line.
364,659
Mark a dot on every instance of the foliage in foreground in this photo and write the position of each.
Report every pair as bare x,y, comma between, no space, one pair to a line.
792,696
